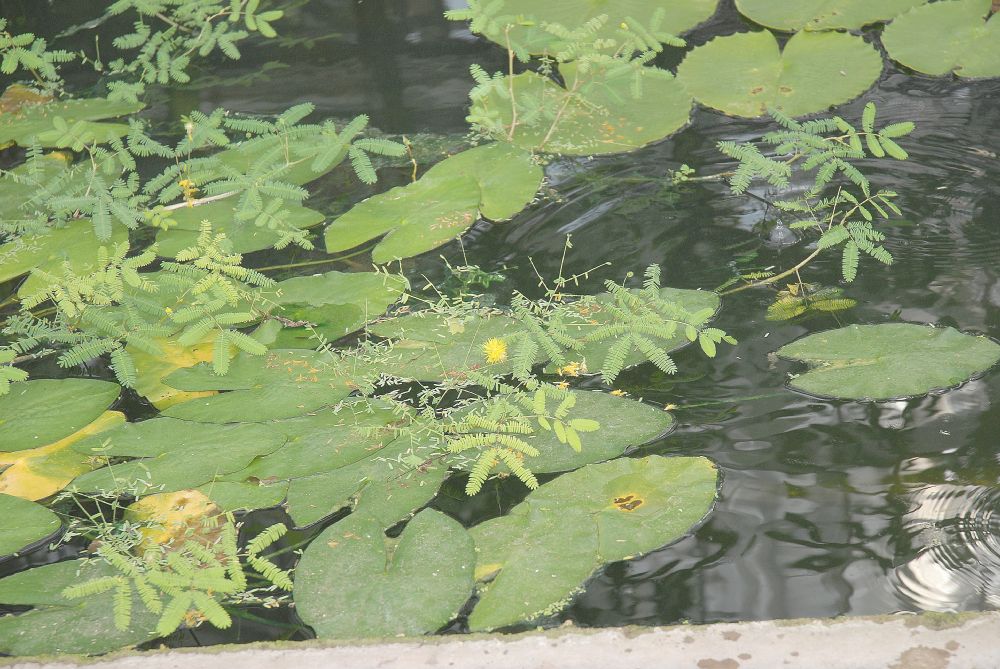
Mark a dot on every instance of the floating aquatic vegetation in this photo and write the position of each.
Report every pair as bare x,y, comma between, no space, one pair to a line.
960,36
881,362
747,73
28,117
25,523
822,14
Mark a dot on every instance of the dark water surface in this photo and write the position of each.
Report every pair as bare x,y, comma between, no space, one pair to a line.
826,507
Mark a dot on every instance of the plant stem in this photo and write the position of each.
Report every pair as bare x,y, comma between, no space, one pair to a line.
309,263
777,277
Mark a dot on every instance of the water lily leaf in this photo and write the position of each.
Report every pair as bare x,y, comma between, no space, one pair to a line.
887,361
173,454
541,553
326,440
959,36
354,582
59,123
152,369
624,423
495,181
171,518
37,473
428,347
746,73
24,523
588,315
40,412
822,14
282,384
59,625
74,243
15,195
334,304
243,236
602,116
234,496
527,31
389,485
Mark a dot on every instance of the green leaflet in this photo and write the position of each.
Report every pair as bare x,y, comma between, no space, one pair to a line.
746,73
59,124
353,582
495,181
531,561
891,360
959,36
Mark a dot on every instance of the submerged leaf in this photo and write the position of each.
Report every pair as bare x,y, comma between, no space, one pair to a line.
887,361
353,582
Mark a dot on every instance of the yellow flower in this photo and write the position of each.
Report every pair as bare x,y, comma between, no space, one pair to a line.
572,369
495,350
618,393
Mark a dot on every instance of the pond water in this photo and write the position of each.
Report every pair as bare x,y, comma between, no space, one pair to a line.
826,507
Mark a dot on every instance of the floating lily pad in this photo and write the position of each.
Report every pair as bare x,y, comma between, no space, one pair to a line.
428,347
389,485
624,423
38,413
37,473
822,14
959,36
233,496
880,362
171,518
495,181
59,123
589,315
15,195
282,384
354,582
152,369
527,19
243,236
334,304
74,243
540,554
173,454
746,73
60,625
327,440
603,116
24,523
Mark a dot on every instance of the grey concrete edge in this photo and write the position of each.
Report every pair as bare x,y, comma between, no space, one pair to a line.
903,641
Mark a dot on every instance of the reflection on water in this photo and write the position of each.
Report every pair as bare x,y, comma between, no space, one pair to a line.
826,507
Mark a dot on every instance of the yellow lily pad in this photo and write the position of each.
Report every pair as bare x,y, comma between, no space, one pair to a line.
172,518
152,369
38,473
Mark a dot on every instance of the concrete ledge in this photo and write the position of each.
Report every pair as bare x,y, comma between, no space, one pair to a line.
927,641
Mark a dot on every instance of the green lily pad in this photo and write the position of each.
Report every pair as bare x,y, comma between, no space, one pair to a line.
746,73
888,361
389,485
74,243
959,36
14,195
335,304
540,554
429,347
528,18
24,523
59,625
495,181
326,440
235,496
822,14
37,413
60,123
243,236
281,384
603,116
587,315
624,423
173,454
353,582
